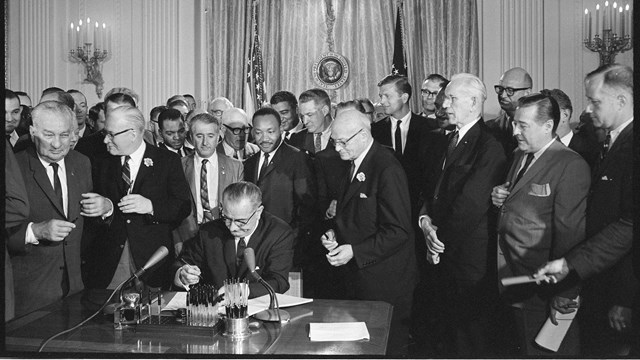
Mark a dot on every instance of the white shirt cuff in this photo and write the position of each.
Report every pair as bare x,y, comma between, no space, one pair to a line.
420,219
110,212
178,282
30,237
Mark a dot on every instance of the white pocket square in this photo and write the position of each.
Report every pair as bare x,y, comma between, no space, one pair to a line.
605,178
363,196
540,190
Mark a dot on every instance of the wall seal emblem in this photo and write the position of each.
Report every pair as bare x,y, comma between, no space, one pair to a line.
331,71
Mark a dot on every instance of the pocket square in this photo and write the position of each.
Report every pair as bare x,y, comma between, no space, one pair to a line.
605,178
540,190
363,196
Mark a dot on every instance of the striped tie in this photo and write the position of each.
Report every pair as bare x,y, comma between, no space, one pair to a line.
318,142
204,193
126,174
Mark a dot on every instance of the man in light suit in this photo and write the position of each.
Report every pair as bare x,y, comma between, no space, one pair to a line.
217,252
371,236
218,171
150,195
285,177
542,216
604,259
459,205
45,248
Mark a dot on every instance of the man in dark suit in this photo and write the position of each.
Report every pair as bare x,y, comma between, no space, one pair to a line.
208,171
542,215
372,237
12,110
82,113
514,84
286,105
586,146
217,252
457,214
285,177
150,195
430,88
45,248
173,132
604,258
315,112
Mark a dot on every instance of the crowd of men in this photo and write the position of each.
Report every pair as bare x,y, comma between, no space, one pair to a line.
427,210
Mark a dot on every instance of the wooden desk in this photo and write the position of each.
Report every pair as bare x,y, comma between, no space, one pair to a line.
27,332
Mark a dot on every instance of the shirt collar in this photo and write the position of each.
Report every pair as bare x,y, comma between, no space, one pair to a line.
137,155
539,153
405,119
566,140
615,133
212,158
463,130
45,163
360,157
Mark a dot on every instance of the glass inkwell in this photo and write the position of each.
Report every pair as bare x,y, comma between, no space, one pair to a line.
128,313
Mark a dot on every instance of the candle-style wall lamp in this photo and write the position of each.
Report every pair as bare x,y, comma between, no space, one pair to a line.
611,29
90,45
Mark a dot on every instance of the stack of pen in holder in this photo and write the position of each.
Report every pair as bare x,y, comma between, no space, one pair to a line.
237,298
202,305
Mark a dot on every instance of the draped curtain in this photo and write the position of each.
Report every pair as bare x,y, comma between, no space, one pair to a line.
441,36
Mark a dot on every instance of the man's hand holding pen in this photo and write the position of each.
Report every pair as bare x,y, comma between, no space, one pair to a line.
188,274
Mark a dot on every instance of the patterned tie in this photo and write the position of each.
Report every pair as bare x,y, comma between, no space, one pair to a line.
453,142
126,174
57,185
605,146
240,253
318,142
524,168
263,169
352,170
204,193
398,139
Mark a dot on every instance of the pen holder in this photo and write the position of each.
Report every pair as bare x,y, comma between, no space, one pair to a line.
237,328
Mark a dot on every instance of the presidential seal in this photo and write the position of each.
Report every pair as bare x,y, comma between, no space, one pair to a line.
331,71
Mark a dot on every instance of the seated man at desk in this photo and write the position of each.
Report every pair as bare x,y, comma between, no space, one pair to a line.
217,251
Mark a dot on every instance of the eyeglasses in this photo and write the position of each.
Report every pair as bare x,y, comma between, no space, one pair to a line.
216,112
428,93
345,142
238,222
237,131
111,136
510,91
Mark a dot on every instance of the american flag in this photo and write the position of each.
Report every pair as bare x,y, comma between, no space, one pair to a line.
255,94
399,65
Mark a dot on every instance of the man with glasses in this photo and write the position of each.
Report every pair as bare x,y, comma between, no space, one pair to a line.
235,130
217,251
430,88
514,84
218,106
150,195
371,238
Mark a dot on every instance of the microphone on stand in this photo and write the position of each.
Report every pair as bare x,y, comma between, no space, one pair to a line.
160,254
273,313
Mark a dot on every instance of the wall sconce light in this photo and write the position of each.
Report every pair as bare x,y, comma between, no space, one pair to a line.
91,46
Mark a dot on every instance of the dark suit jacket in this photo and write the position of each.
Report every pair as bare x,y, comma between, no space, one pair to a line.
94,148
186,150
502,128
330,171
461,206
229,171
544,215
165,185
213,250
610,224
288,187
586,146
39,269
412,159
373,215
304,141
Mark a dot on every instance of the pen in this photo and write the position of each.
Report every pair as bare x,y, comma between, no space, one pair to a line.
186,263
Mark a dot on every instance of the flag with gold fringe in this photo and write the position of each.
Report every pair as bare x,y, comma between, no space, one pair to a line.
399,65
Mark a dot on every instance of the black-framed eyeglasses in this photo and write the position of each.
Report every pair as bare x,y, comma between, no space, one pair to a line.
237,131
345,142
216,112
429,93
239,222
111,136
509,90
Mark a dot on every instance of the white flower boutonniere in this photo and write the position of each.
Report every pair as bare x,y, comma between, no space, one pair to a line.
148,162
361,177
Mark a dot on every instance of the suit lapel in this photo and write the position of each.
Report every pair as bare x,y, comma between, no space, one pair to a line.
230,254
353,186
73,183
254,243
386,134
465,145
41,178
189,171
309,143
275,161
537,166
223,177
144,171
625,135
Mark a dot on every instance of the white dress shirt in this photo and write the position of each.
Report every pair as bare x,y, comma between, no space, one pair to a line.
615,133
212,183
566,140
359,159
536,156
404,129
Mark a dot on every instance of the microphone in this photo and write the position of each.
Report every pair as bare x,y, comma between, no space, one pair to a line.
273,313
160,254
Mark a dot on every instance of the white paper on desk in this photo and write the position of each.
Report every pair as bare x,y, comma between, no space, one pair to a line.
179,300
262,303
550,336
341,331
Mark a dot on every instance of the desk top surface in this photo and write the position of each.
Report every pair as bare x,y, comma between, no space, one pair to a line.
98,335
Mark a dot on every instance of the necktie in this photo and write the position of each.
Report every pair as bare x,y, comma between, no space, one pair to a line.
286,135
398,139
352,170
263,169
318,142
453,142
204,193
240,252
57,186
605,146
126,174
235,154
524,168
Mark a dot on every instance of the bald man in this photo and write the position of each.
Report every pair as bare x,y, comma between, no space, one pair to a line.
218,106
514,84
235,129
371,236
